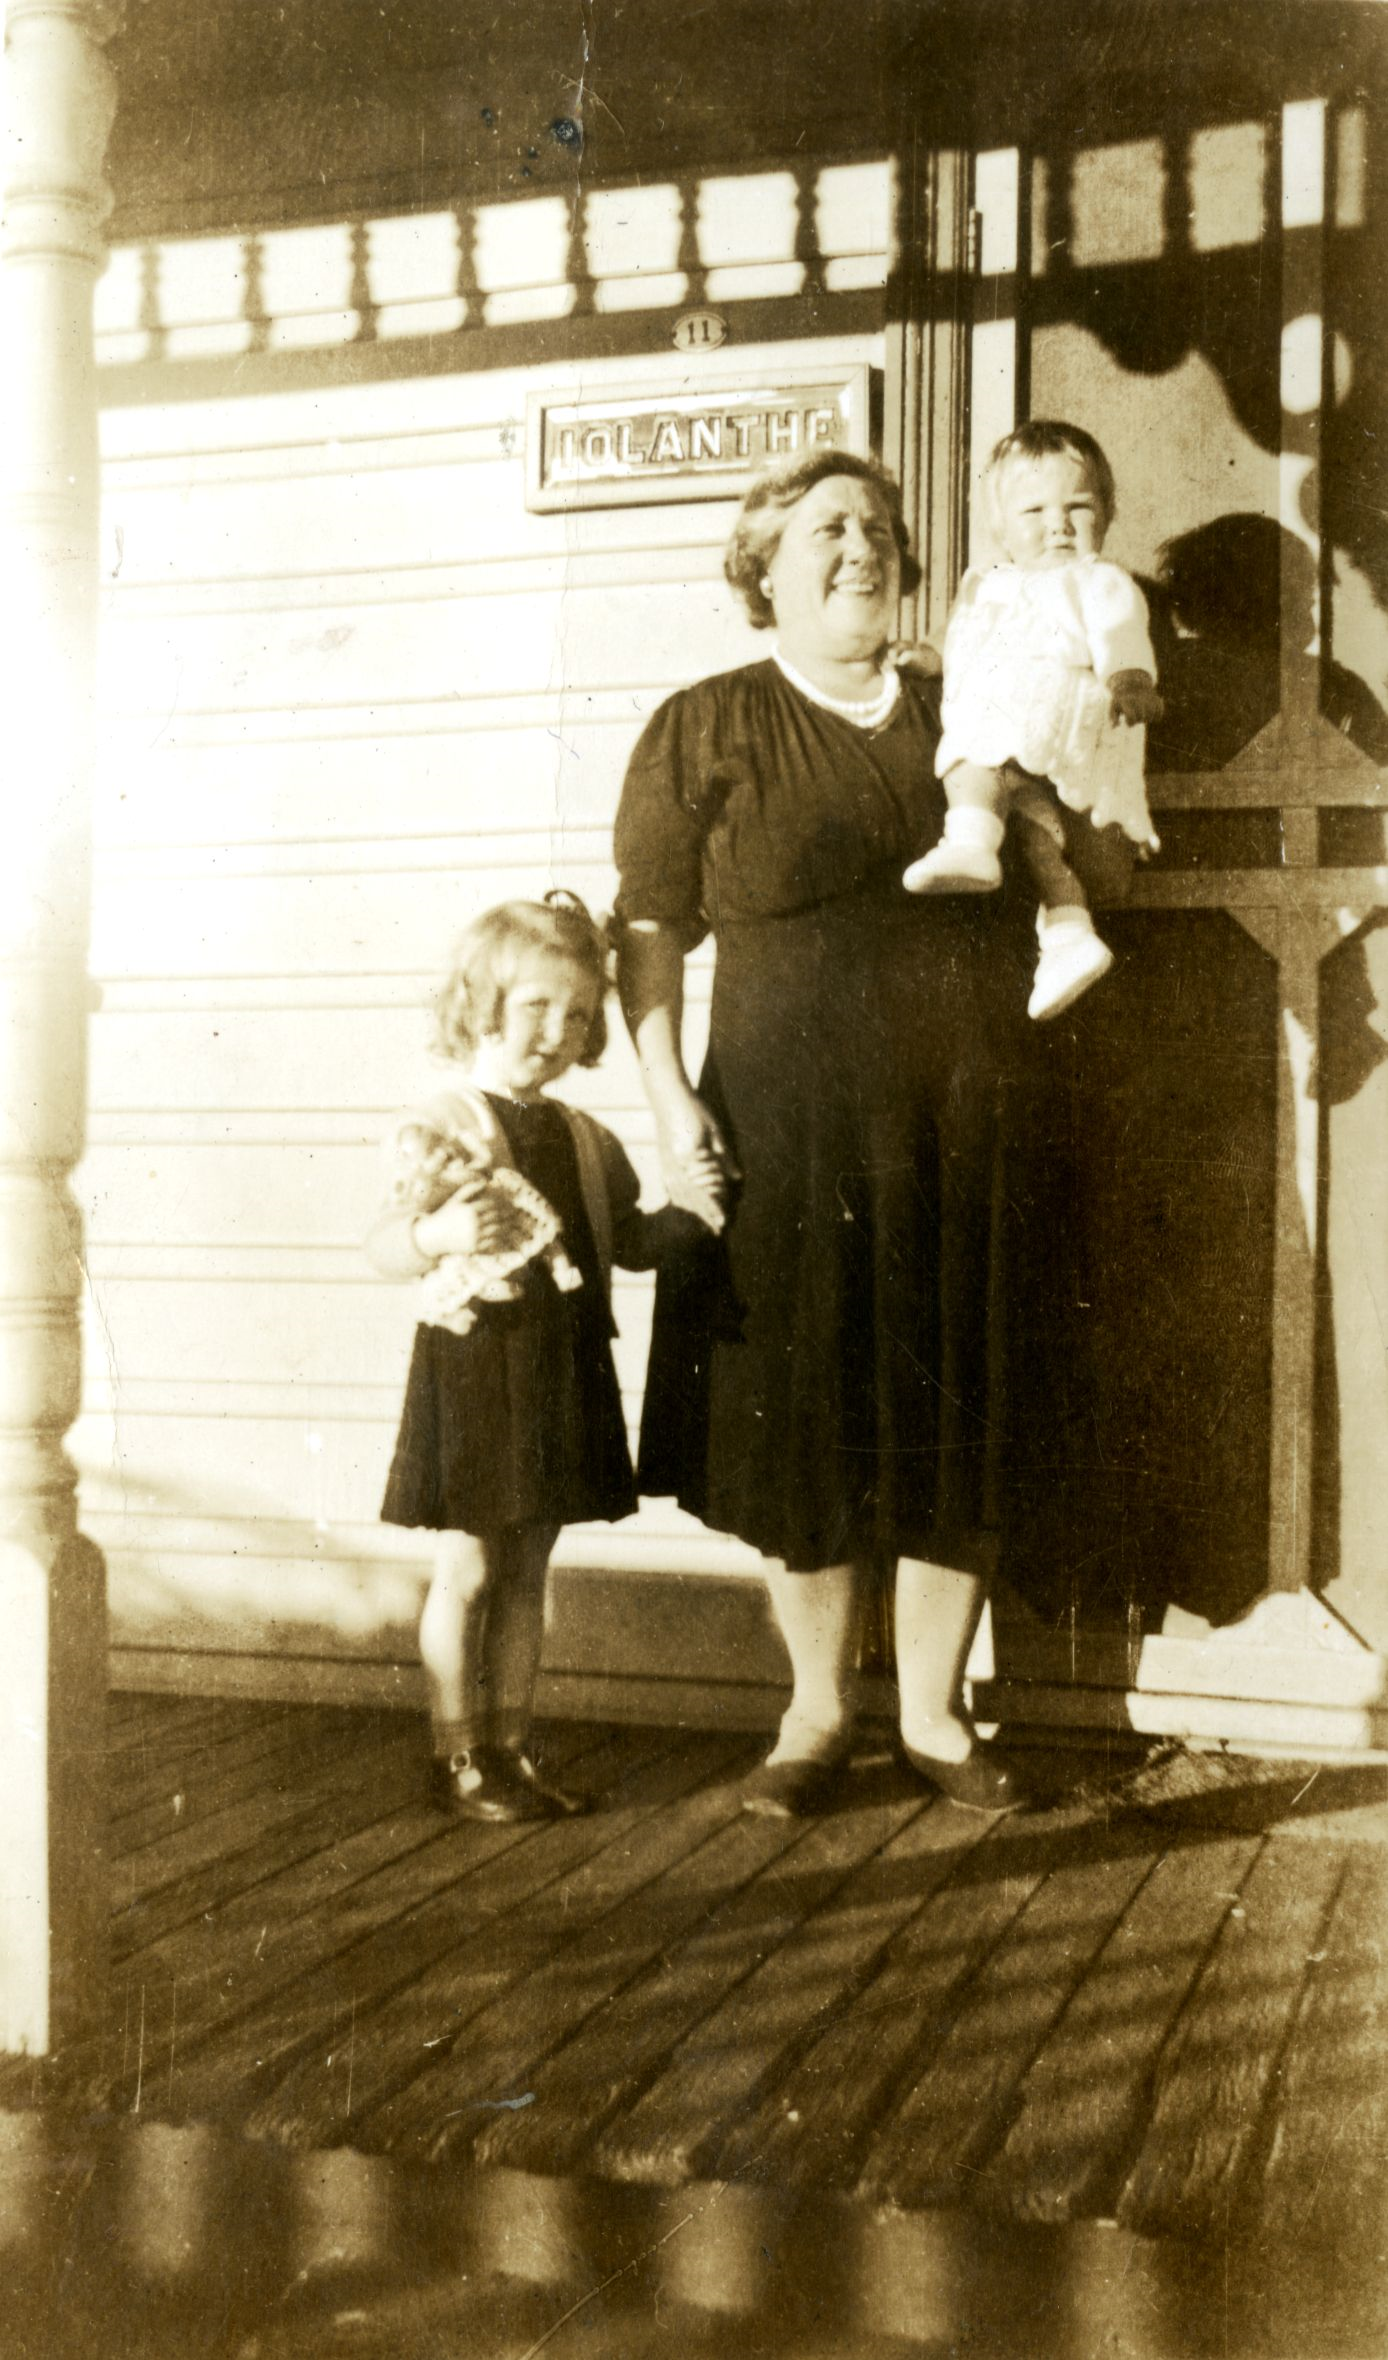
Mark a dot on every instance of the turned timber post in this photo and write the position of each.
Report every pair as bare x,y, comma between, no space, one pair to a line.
52,1590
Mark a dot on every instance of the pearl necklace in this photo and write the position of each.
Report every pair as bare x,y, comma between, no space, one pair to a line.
867,713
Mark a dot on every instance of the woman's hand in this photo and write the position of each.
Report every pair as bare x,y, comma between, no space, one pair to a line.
474,1220
696,1162
919,656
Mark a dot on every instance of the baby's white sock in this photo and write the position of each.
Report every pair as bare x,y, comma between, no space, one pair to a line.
967,823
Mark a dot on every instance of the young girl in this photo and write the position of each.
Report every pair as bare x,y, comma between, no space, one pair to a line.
510,1210
1049,682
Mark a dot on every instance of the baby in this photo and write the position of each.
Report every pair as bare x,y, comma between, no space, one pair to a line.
1050,681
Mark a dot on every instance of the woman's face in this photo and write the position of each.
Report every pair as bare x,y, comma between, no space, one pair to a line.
835,576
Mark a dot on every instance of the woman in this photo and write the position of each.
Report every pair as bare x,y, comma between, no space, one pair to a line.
819,1371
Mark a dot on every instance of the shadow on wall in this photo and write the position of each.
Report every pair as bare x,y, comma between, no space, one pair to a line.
1217,606
1160,265
268,1584
1141,1373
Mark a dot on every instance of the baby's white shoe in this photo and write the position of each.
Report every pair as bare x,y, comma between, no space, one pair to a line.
966,858
954,868
1072,957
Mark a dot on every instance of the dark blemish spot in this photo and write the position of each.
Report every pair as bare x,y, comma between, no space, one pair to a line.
566,131
532,153
489,118
525,172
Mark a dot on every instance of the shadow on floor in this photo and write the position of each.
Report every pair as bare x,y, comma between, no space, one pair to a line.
145,2242
1169,1789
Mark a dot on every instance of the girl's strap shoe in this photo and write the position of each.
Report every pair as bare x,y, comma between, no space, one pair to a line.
498,1789
561,1800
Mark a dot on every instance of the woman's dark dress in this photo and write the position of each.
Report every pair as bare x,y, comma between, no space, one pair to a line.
520,1421
819,1380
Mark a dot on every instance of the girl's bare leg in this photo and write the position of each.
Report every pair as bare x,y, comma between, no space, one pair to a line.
937,1611
818,1618
452,1639
515,1634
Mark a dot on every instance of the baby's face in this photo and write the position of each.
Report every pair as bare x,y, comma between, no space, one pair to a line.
1048,511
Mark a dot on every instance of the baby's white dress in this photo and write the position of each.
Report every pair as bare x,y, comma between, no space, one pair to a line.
1026,658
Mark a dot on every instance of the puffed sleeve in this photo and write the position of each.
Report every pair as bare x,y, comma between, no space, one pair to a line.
408,1154
423,1156
1115,621
659,834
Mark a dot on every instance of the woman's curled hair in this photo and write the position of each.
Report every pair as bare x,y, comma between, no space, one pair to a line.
761,520
487,959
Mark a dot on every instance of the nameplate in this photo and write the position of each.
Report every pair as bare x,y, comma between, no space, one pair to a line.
677,444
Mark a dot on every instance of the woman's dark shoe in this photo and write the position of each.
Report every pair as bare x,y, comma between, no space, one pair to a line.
981,1782
796,1789
496,1788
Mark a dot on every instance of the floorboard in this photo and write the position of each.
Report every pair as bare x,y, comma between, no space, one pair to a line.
1324,2173
149,1747
208,1972
163,1888
458,2042
815,1980
1161,2003
382,1936
721,2064
174,1794
1080,2106
178,1853
1214,2079
1061,1895
713,1897
826,2124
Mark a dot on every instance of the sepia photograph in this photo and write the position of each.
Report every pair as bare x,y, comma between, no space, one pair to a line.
694,1261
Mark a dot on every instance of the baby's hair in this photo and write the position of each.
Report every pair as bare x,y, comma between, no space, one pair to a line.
761,520
486,962
1052,438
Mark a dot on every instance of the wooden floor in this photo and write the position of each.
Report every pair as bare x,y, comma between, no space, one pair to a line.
1159,2003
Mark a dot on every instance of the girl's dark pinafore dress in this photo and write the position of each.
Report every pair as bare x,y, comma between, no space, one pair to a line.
520,1421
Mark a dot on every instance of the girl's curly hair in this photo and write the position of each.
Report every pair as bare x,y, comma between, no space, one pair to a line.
469,1006
761,520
